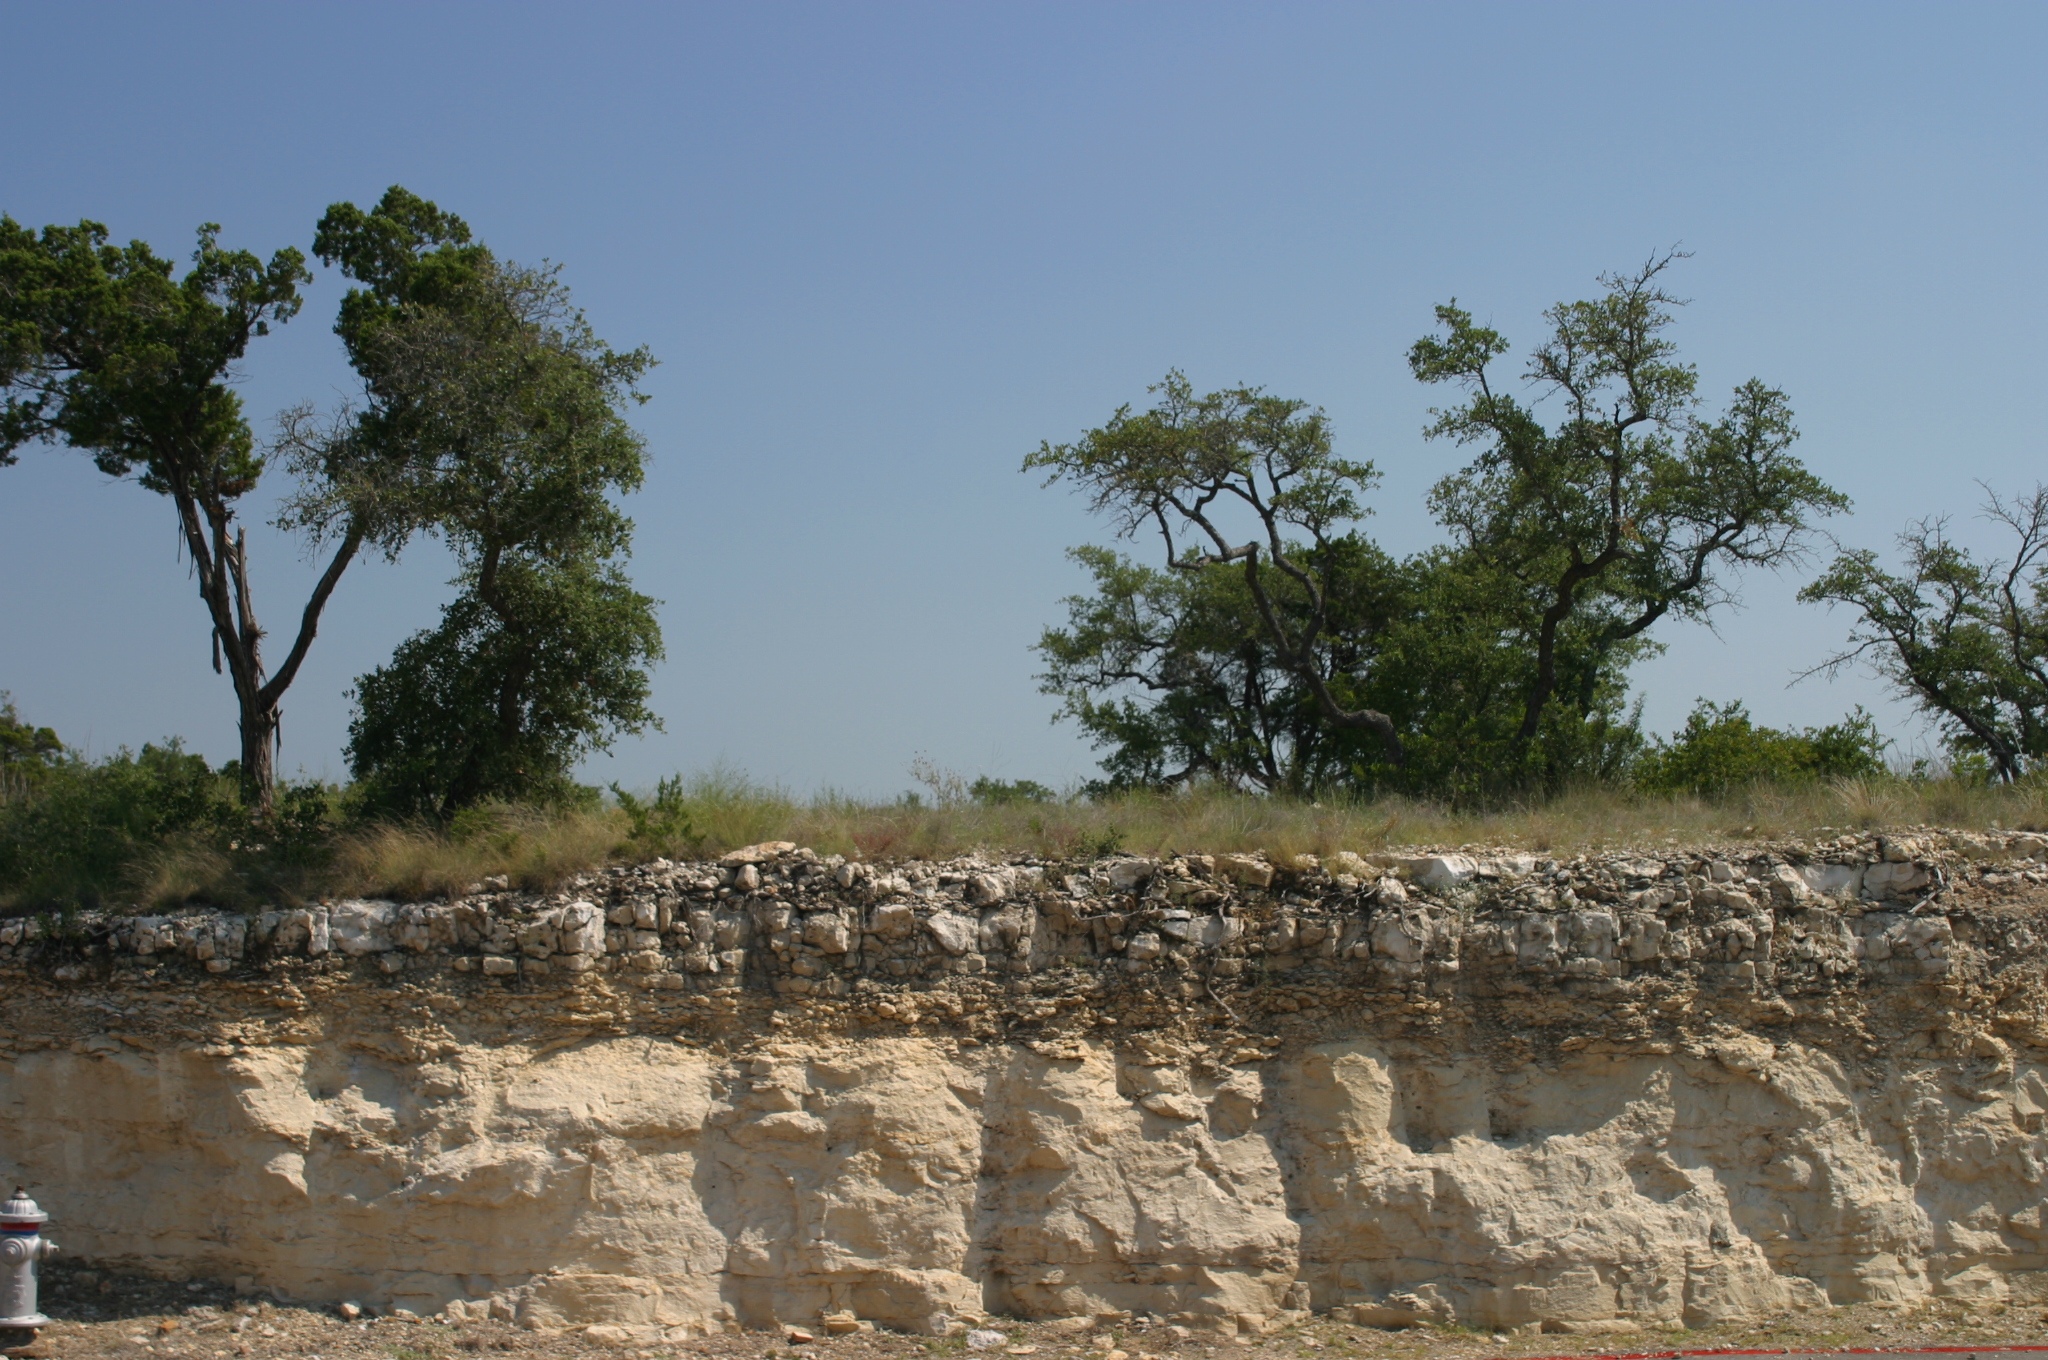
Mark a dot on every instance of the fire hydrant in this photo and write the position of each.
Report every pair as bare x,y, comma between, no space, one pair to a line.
22,1245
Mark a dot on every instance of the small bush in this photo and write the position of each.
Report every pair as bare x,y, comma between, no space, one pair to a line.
76,835
1004,792
154,828
1721,749
659,825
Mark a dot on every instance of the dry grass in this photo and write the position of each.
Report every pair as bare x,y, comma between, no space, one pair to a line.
533,848
181,870
722,811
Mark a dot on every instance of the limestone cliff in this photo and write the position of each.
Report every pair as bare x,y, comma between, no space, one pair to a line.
1490,1088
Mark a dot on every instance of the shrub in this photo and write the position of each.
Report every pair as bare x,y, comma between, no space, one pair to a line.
75,835
1002,792
659,825
154,827
1721,749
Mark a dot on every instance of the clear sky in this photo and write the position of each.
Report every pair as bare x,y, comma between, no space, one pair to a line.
883,249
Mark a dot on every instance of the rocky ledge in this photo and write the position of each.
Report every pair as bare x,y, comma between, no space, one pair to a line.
781,918
1476,1086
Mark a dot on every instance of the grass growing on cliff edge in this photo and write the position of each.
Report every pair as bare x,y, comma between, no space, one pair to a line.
215,858
720,812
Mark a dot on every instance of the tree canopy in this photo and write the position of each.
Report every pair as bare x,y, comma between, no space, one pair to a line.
1963,637
26,751
503,417
104,350
1272,635
1631,506
1186,466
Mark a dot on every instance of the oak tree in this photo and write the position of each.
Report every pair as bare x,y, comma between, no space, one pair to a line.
1630,505
1964,637
1231,480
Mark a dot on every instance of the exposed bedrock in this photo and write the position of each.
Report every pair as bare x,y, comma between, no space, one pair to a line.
1666,1141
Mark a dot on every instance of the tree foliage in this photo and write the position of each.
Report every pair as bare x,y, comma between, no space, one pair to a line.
1170,674
104,350
478,709
27,752
1964,637
1190,466
1631,506
500,418
1174,674
1274,647
1721,748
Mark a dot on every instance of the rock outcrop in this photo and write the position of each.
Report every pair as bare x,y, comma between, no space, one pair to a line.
1497,1089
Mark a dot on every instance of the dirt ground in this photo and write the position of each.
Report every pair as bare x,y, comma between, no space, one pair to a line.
99,1315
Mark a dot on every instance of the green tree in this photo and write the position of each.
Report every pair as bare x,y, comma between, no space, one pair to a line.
104,350
1173,673
1631,506
1199,471
27,753
478,708
1457,667
1721,748
500,420
1336,668
1965,638
1170,674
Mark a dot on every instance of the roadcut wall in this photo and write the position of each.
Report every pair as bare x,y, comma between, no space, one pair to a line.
1493,1088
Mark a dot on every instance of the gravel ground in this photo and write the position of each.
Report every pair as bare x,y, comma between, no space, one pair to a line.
99,1315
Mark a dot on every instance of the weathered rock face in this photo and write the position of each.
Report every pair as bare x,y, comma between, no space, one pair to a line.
1473,1092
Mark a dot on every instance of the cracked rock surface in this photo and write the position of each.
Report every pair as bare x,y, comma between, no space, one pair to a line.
1465,1088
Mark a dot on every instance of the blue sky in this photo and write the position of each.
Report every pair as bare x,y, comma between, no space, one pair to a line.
882,250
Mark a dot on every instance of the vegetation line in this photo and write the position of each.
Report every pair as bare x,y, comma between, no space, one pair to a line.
157,829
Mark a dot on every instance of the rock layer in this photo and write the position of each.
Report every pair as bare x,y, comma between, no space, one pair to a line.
1494,1090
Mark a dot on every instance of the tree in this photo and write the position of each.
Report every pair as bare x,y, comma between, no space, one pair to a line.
1965,639
479,708
1169,672
1721,748
1192,465
500,418
102,349
1173,673
1631,507
1455,669
27,753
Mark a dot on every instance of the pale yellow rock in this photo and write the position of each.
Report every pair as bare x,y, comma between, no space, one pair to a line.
757,854
1254,873
633,1182
1593,1326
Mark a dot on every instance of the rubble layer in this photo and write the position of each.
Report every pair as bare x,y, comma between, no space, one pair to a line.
1490,1089
105,1315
